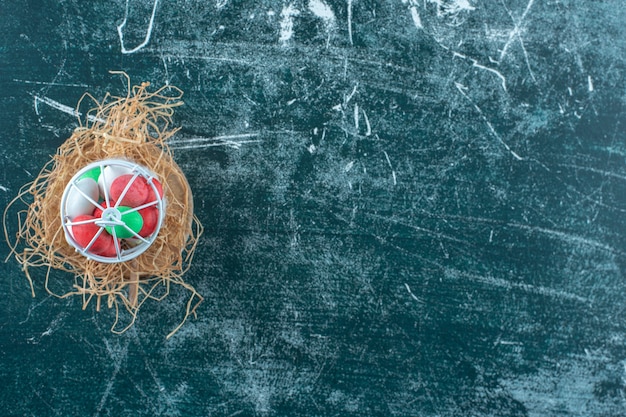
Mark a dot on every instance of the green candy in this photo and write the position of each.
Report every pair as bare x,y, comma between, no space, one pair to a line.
93,173
133,220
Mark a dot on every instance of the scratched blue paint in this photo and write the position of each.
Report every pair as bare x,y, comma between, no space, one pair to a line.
411,208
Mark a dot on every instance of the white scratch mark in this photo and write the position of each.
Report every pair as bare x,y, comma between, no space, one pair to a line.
50,83
416,17
533,289
348,166
116,369
231,144
214,138
589,83
53,326
458,54
506,342
556,234
356,118
286,24
519,158
167,73
393,173
3,188
567,237
323,11
368,127
530,71
350,22
120,29
349,97
388,160
225,140
477,65
55,105
516,30
595,170
419,300
462,89
452,9
62,107
463,5
498,73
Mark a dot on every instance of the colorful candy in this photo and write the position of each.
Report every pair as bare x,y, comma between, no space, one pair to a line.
150,216
76,203
136,194
159,188
84,233
132,219
109,251
93,173
97,212
109,174
125,191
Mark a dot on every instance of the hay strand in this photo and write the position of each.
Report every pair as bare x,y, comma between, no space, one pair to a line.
135,127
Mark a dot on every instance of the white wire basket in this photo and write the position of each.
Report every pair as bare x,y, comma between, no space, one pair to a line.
104,213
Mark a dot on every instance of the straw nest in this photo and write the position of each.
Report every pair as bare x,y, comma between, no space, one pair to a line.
135,127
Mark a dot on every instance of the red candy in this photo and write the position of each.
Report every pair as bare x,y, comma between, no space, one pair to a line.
150,216
151,196
98,213
109,251
84,233
137,193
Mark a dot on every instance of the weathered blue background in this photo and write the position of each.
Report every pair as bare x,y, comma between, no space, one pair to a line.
412,208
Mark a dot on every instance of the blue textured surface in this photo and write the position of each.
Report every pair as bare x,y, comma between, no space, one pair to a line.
412,208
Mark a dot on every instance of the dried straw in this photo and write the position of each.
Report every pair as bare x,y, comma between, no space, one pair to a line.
134,127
